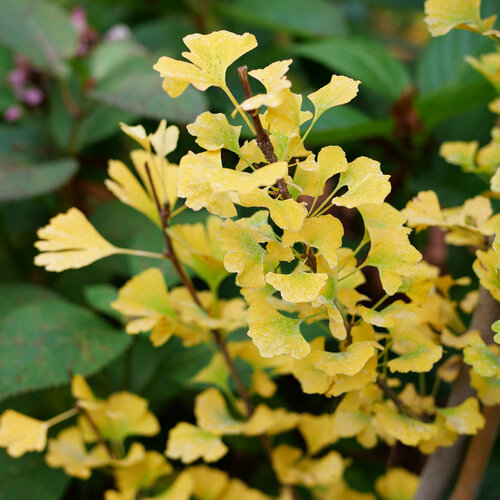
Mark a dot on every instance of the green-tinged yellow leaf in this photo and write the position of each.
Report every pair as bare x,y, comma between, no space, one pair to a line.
390,249
488,388
69,452
244,255
423,211
340,90
208,483
196,246
347,383
485,266
298,286
444,15
188,443
318,431
210,54
180,489
460,153
465,418
273,333
274,80
213,132
409,431
145,299
482,358
419,360
287,214
365,183
349,362
292,468
323,233
70,242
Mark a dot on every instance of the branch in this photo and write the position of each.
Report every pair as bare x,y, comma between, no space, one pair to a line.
261,137
444,463
402,407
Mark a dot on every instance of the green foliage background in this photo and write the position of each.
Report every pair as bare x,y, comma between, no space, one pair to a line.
416,93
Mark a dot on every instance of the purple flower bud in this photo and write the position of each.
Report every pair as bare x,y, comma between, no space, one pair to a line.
32,96
18,77
118,32
12,113
79,19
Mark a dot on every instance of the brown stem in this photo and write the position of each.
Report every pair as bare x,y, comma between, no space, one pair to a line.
402,408
444,463
100,437
263,141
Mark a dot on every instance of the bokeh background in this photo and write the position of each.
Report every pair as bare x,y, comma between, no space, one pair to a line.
70,71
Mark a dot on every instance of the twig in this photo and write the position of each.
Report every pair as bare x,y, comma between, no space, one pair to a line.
261,137
402,407
100,437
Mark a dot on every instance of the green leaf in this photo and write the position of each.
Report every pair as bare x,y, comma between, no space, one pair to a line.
100,297
442,62
347,123
15,295
28,478
39,30
18,180
447,102
137,89
42,340
362,59
311,18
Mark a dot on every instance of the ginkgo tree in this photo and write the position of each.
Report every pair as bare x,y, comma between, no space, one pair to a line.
275,229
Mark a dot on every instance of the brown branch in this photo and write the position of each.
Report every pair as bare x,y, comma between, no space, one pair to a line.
444,463
98,433
402,407
263,141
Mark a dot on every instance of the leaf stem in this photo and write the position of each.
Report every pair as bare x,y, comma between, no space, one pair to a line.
61,417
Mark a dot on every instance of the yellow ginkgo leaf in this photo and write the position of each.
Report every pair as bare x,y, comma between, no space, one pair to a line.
215,372
189,443
485,266
298,286
444,15
126,187
196,246
69,452
213,132
213,416
269,421
347,383
397,484
142,471
481,357
390,249
423,211
488,388
460,153
210,56
20,433
312,380
408,430
323,233
292,468
495,181
238,489
145,298
318,431
464,418
209,483
340,90
164,140
138,133
274,80
287,214
195,172
244,254
180,489
70,242
273,333
419,360
365,183
122,414
349,362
